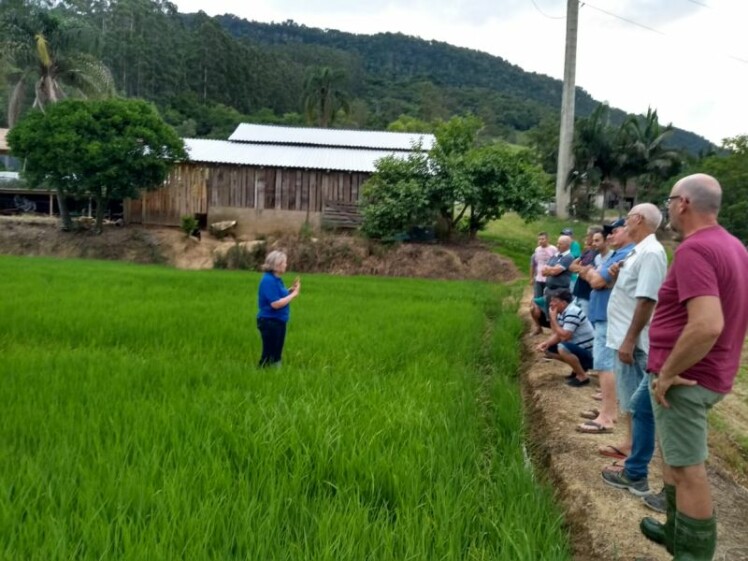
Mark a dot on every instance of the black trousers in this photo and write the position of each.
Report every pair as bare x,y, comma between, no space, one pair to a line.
273,333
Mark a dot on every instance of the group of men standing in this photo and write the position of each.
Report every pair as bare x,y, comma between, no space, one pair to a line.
666,345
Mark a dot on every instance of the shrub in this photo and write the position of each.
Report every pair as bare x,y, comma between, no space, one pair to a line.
241,258
189,224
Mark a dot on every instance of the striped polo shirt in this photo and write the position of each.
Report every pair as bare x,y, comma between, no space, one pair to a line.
573,319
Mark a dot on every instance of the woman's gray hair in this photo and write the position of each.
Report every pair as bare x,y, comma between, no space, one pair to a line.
273,259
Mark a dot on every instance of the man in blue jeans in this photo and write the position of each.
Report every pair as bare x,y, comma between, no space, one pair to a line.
630,308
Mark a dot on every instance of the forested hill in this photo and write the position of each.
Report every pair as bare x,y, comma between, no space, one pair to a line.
460,79
206,74
396,57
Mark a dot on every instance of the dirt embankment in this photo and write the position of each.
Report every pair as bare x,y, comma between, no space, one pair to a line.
345,255
604,522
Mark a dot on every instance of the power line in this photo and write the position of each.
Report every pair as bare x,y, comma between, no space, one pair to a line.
652,29
632,22
544,14
699,3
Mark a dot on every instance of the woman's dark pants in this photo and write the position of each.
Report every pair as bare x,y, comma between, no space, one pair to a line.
273,332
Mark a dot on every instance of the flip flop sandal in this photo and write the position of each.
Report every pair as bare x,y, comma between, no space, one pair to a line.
591,427
611,451
590,414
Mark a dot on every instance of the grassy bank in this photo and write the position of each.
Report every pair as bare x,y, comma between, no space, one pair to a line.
514,238
135,425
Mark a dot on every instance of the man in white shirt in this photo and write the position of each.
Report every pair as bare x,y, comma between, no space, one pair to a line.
630,308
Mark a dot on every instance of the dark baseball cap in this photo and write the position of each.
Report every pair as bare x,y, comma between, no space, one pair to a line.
567,232
608,228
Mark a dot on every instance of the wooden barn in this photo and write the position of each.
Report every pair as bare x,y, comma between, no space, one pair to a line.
271,178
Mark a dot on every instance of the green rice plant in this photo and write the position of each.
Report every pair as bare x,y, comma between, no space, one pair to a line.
136,425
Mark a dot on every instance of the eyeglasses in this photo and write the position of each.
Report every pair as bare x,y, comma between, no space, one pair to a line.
673,197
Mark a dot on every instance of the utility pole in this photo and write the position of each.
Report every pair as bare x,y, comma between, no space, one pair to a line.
566,135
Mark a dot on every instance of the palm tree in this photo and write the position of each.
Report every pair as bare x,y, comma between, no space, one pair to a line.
644,141
324,96
44,48
594,152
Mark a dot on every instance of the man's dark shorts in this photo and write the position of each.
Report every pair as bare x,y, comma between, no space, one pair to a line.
584,355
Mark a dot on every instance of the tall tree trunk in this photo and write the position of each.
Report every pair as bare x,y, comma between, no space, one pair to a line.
605,205
101,204
67,223
622,198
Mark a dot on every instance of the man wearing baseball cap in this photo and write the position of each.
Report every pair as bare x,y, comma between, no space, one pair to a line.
576,249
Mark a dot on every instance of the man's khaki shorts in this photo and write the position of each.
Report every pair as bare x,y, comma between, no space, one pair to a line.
682,427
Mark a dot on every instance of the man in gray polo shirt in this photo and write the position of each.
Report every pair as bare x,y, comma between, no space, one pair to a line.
557,276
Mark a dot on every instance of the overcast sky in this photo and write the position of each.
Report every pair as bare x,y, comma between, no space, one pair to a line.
686,58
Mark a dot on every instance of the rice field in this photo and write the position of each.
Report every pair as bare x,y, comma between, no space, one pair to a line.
136,426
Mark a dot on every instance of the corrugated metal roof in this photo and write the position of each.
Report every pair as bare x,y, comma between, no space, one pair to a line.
309,136
274,155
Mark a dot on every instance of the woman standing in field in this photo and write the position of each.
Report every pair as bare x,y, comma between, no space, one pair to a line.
274,301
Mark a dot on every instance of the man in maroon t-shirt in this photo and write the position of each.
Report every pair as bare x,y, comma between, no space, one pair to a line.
696,337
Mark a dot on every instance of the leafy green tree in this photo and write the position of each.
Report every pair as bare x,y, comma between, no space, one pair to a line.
544,139
499,179
731,170
457,181
108,150
594,157
406,123
324,95
454,140
48,49
396,197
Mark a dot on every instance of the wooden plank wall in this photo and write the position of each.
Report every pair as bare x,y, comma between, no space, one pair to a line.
184,193
192,188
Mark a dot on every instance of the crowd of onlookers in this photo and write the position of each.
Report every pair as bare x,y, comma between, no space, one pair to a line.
663,344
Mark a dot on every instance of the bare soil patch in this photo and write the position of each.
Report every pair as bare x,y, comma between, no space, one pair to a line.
336,254
604,522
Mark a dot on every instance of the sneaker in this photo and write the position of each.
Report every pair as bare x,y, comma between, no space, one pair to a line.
577,383
656,501
620,480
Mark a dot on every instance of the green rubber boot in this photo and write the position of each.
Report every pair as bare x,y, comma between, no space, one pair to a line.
695,540
655,530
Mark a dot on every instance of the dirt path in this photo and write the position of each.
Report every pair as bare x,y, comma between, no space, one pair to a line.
604,522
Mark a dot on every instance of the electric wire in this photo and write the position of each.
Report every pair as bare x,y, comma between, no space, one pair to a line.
544,14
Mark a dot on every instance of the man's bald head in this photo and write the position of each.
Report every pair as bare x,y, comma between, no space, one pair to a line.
563,243
703,192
